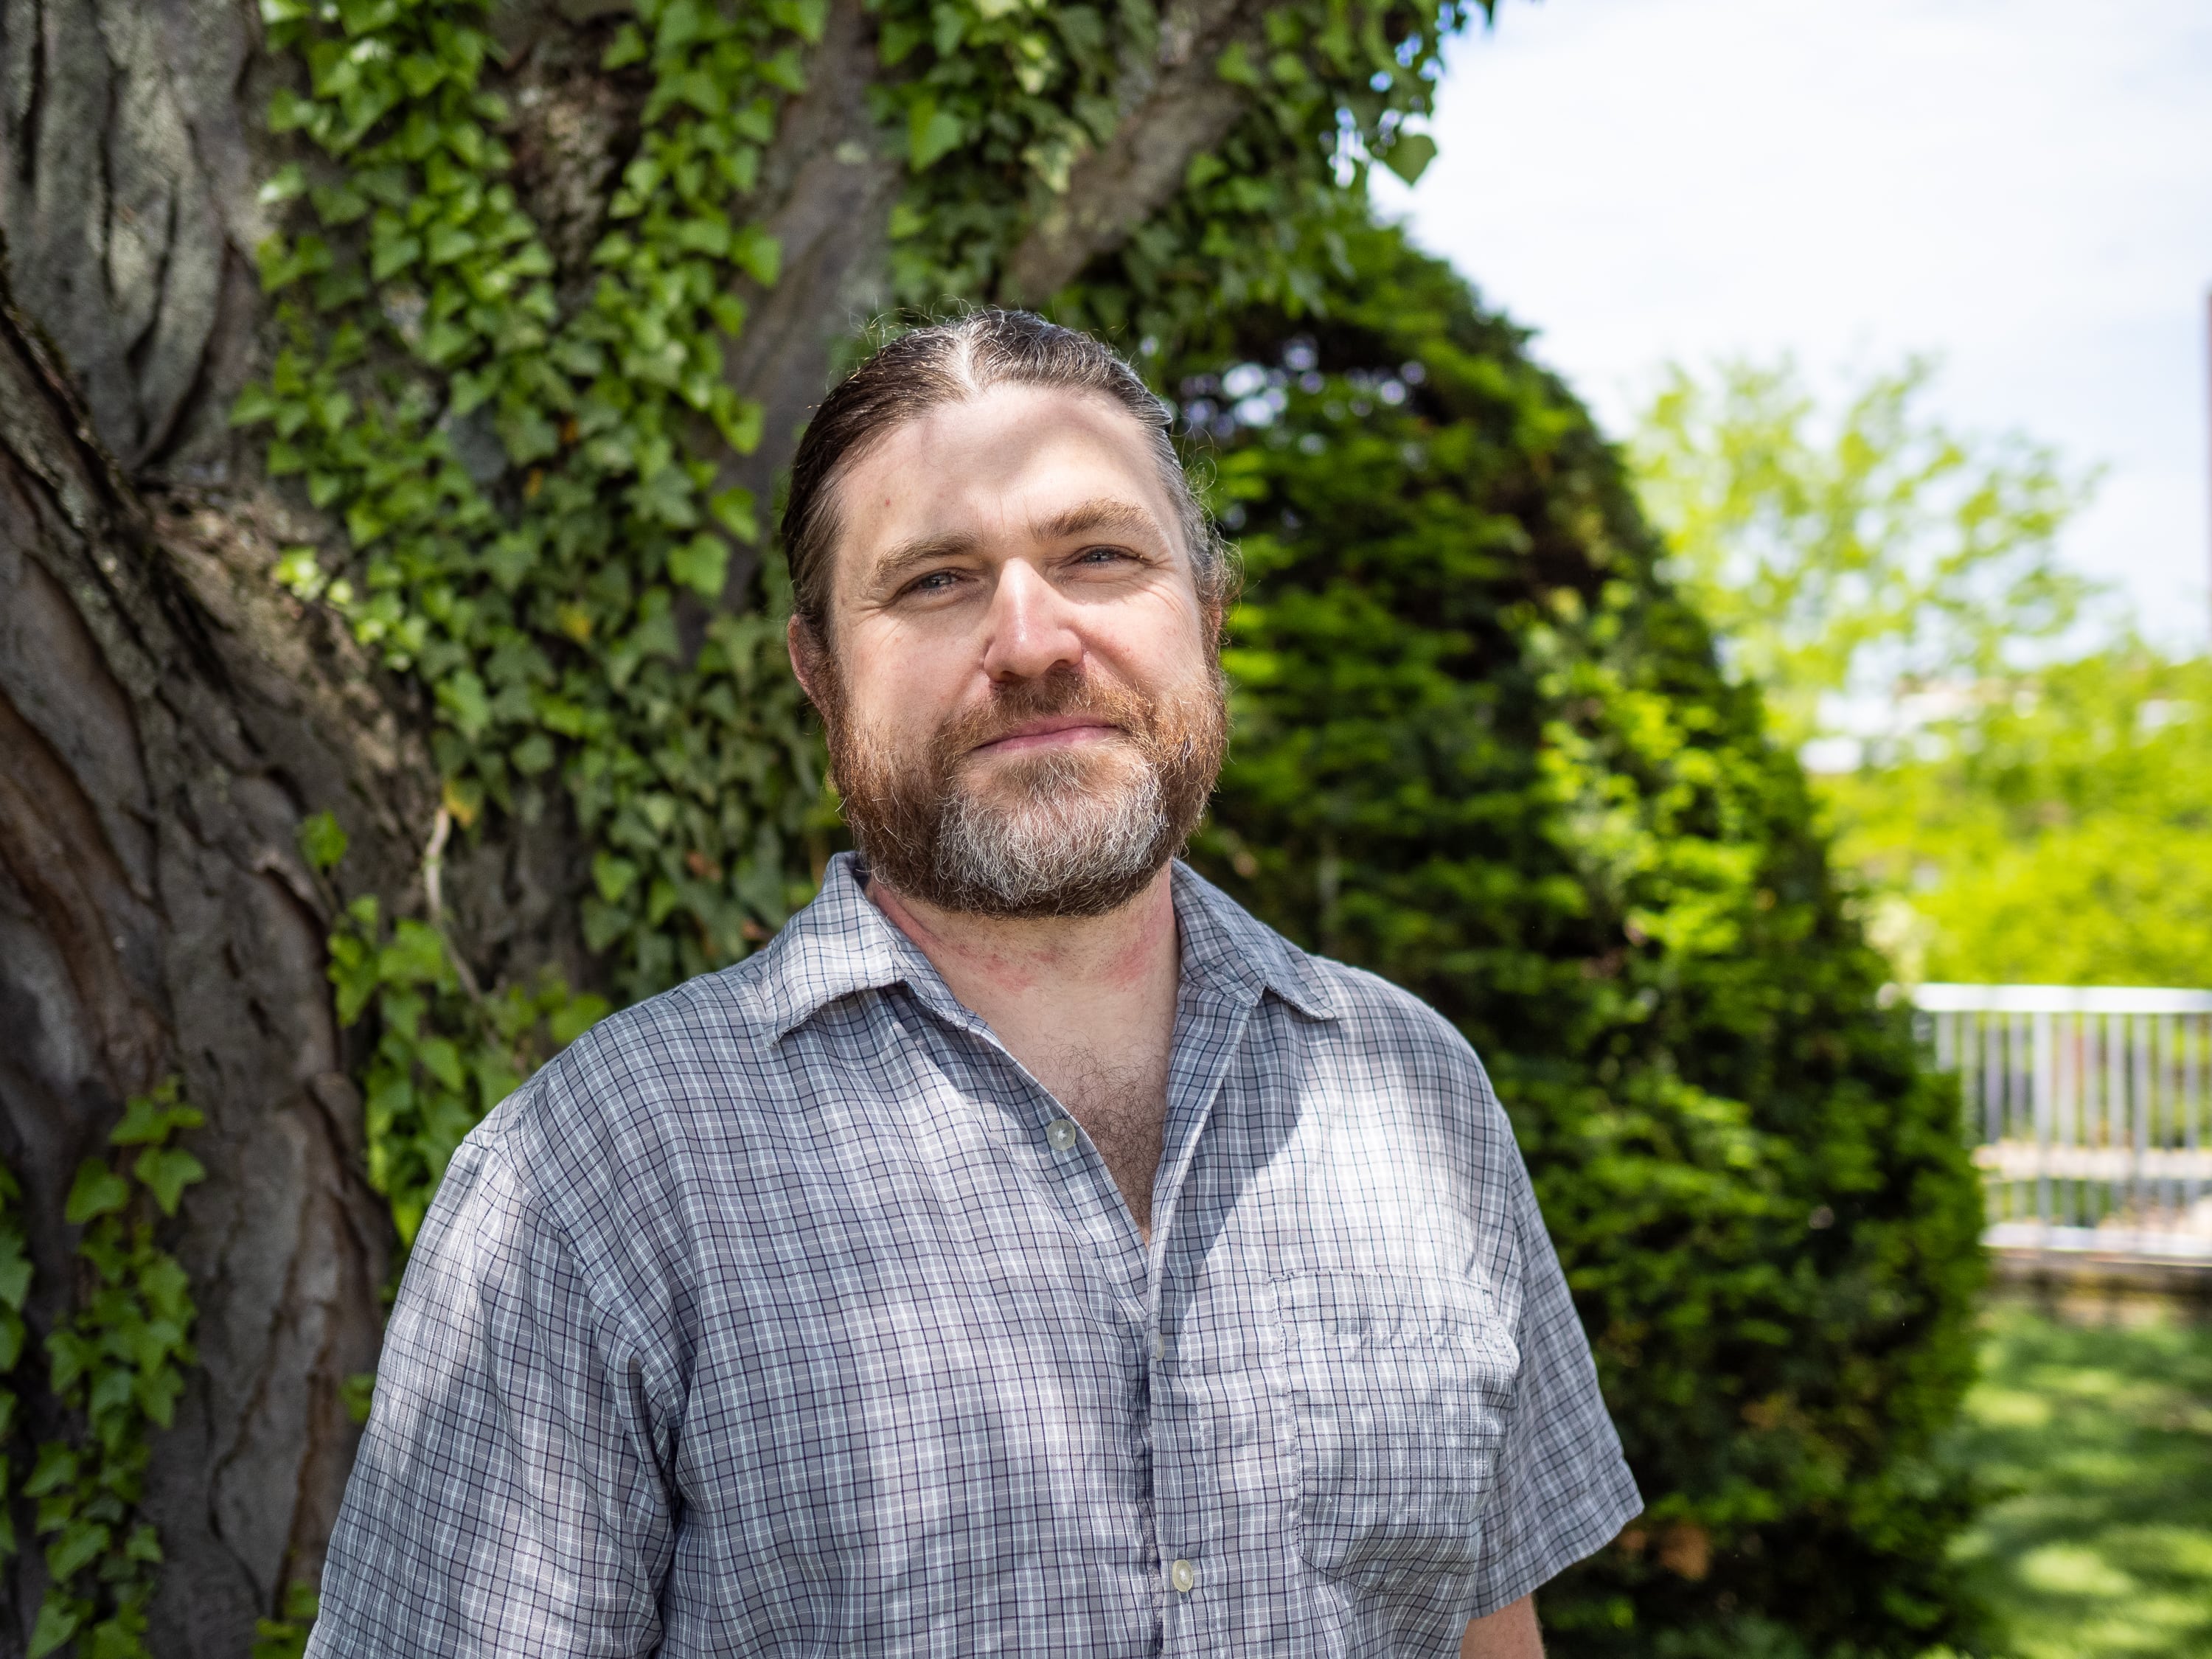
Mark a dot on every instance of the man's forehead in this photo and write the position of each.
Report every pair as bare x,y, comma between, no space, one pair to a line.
1007,425
1076,466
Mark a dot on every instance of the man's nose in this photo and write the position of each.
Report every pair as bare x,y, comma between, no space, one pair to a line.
1032,626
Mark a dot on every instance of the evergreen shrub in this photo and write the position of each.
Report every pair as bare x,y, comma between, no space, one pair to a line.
1484,749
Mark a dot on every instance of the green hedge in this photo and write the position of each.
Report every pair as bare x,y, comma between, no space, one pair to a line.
1482,748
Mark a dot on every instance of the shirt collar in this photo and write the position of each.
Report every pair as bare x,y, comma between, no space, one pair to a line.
842,944
1225,945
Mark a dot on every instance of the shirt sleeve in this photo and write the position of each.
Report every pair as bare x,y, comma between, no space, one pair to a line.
1564,1488
506,1498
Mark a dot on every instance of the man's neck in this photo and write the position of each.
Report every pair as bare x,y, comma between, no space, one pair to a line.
1048,961
1087,1004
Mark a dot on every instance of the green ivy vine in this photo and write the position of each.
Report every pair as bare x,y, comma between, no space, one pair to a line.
119,1364
541,613
446,1051
539,609
14,1291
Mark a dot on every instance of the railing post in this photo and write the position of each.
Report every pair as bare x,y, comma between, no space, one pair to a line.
2046,1103
2095,1099
2196,1033
2138,1183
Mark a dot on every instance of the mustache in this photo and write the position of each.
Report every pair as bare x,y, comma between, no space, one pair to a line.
1063,692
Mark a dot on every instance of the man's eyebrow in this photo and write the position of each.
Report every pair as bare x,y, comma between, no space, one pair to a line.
1106,512
923,549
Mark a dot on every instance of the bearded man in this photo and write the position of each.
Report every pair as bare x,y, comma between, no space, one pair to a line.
1027,1252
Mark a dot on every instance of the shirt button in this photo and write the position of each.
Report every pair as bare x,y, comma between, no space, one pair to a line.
1061,1132
1159,1344
1184,1576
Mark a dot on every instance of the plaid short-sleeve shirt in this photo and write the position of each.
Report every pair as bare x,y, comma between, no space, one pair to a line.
787,1314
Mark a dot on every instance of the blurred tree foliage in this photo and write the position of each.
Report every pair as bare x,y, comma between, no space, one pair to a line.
2029,792
2058,830
1485,747
1856,553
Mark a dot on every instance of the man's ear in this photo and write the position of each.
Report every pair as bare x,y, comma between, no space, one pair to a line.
811,664
805,655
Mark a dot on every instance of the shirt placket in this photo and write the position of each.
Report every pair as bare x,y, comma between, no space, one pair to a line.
1187,1513
1154,1284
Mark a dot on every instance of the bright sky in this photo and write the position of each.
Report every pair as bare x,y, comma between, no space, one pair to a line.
2023,188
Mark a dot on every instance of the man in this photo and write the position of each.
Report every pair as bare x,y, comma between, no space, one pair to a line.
1028,1251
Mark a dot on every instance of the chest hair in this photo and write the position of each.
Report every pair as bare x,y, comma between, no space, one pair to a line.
1123,1109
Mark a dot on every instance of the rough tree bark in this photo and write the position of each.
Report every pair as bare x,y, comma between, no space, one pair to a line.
168,716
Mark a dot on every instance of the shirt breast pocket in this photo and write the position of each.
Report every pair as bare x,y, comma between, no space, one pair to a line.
1398,1392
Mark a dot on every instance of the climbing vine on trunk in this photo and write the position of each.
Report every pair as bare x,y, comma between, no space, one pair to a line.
118,1364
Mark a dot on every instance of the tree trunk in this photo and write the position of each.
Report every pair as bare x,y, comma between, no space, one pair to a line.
168,715
156,918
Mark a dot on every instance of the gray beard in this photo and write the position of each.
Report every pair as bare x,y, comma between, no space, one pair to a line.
1053,833
1062,846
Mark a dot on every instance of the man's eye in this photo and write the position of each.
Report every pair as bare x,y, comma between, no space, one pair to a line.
935,582
1101,555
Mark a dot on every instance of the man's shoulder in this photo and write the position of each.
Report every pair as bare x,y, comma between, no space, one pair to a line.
639,1084
1387,1012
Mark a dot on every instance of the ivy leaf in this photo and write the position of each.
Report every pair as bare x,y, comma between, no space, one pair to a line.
700,564
97,1191
1235,66
255,405
165,1171
1409,154
338,204
71,1357
438,1057
15,1271
807,19
577,1017
356,1392
613,876
150,1119
741,430
55,1469
390,254
932,134
322,843
417,956
82,1543
532,756
157,1393
898,38
757,253
463,697
733,509
665,497
287,182
627,47
59,1615
168,1292
360,17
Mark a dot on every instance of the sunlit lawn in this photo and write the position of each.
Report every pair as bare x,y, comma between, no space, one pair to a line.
2097,1440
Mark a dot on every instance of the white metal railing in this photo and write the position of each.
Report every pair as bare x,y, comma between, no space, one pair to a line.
2089,1111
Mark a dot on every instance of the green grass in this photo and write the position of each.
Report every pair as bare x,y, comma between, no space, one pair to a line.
2096,1443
